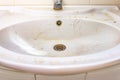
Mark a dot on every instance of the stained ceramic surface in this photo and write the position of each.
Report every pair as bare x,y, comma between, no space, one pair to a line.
74,37
39,40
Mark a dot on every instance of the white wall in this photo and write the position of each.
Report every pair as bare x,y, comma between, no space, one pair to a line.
50,2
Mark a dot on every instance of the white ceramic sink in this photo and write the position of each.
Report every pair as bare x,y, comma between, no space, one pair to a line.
59,45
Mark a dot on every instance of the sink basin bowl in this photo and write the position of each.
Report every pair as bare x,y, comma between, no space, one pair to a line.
59,45
74,37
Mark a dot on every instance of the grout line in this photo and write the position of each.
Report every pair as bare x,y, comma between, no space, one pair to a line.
89,2
14,3
85,77
35,77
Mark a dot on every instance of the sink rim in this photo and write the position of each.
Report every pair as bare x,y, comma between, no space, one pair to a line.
52,68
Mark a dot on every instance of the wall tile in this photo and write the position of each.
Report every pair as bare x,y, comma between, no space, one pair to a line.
11,75
33,2
104,1
111,73
77,2
66,77
49,2
6,2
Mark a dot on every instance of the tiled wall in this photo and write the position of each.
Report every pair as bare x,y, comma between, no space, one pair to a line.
50,2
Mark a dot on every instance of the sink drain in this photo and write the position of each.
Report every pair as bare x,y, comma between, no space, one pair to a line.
59,47
59,23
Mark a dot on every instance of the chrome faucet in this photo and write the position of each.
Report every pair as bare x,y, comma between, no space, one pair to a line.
57,4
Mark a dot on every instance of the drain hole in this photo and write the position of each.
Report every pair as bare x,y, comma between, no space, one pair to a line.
58,22
59,47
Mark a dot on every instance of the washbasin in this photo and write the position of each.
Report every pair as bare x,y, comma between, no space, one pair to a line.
59,38
59,45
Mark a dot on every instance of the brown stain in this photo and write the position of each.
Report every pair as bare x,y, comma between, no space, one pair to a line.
36,37
109,17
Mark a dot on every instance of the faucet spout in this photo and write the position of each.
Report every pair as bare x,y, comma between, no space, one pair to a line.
57,4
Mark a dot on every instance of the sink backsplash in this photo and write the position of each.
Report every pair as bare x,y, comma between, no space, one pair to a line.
50,2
